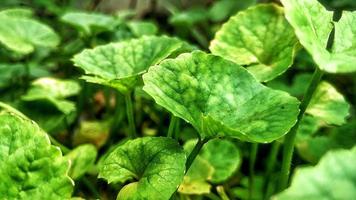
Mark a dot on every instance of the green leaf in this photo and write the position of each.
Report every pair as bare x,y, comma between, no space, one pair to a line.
189,17
23,35
89,23
154,165
328,104
224,156
140,28
119,65
334,177
260,38
222,9
220,98
343,54
313,24
82,158
30,167
55,91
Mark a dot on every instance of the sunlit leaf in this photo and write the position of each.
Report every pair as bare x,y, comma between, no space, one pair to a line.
30,167
260,38
154,166
119,65
220,98
313,24
23,35
89,23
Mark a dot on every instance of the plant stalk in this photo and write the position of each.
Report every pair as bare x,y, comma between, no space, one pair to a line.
271,163
172,126
290,137
130,115
194,153
253,155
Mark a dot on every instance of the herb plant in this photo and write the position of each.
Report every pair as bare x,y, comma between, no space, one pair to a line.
167,100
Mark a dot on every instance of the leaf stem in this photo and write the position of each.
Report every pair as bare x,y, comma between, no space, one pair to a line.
253,155
194,153
130,115
290,137
271,163
172,126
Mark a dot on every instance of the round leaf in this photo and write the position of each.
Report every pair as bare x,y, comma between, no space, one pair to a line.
220,98
333,178
89,23
23,35
154,165
119,64
224,156
259,37
30,167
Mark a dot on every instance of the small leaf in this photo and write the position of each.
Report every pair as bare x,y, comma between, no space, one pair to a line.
118,65
82,159
260,38
23,35
55,91
329,105
30,167
224,156
140,28
89,23
332,178
313,24
154,165
189,17
220,98
222,9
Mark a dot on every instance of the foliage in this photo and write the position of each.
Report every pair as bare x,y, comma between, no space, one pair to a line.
178,99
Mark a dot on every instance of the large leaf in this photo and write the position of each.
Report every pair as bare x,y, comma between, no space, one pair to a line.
30,167
328,105
333,178
82,159
154,166
55,91
23,35
119,64
260,38
220,98
89,23
313,25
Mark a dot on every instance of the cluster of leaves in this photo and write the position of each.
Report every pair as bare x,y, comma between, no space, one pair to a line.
114,106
